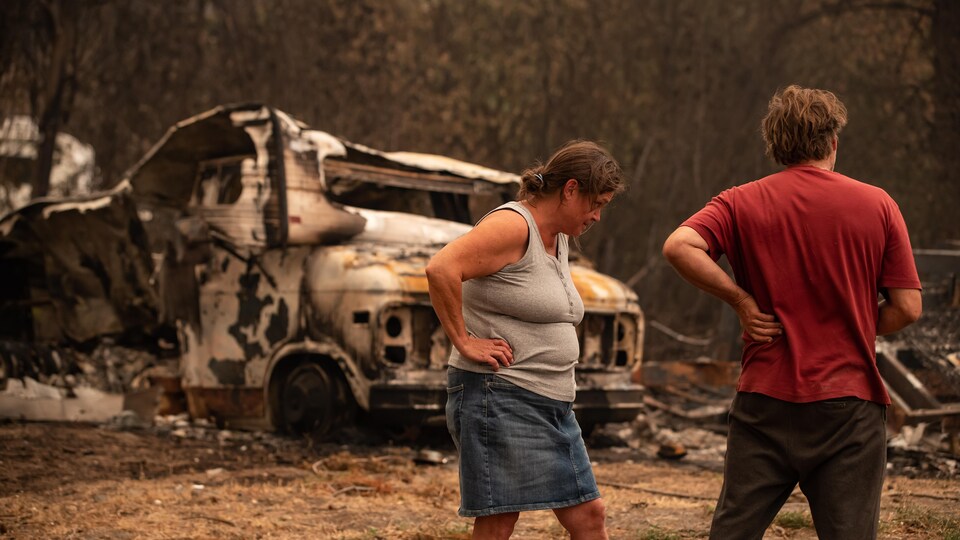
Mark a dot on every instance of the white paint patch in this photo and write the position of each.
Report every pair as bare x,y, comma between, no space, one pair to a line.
402,228
81,207
433,162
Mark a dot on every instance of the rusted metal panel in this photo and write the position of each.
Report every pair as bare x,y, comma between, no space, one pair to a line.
240,407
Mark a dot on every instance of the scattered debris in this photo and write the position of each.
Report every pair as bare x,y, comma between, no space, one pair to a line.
671,451
350,489
919,451
656,491
211,518
64,384
920,367
430,457
27,399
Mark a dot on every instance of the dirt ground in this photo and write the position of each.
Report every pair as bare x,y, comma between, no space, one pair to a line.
82,481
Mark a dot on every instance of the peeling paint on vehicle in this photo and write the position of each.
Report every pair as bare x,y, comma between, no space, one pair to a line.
313,251
228,372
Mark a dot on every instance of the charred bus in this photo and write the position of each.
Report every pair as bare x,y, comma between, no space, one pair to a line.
292,263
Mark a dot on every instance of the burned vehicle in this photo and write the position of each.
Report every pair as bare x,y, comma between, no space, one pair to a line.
291,263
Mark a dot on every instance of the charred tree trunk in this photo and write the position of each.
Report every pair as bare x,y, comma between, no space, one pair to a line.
55,97
946,97
48,127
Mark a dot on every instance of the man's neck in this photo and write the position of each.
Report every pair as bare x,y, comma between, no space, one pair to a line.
825,164
828,163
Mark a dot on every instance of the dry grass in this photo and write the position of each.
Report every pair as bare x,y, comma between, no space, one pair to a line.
72,481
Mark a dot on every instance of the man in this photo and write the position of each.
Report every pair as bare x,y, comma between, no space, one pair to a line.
811,251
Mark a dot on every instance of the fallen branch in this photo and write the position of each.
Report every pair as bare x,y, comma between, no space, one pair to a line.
211,518
348,489
924,495
700,342
398,459
670,389
657,492
700,413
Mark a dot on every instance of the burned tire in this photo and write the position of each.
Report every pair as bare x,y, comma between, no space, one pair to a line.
307,401
343,402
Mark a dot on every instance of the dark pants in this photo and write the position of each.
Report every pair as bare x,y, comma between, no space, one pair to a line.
835,450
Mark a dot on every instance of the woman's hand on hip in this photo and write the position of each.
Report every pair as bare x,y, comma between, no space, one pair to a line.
492,352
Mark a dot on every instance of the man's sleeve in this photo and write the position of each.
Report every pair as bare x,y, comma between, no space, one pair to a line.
714,223
898,269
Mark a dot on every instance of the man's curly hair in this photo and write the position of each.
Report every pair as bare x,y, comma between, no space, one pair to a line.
801,123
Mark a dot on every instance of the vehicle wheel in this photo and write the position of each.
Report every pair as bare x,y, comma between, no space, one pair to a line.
306,401
343,402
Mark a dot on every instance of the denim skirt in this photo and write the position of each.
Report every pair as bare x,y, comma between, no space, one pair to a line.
518,450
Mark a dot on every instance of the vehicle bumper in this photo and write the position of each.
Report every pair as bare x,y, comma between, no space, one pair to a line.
425,402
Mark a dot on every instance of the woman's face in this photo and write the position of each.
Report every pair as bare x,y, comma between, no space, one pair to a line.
583,210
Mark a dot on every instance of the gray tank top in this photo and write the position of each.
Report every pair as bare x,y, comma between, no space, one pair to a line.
533,305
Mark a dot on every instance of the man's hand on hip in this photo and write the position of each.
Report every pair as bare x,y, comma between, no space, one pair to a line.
758,325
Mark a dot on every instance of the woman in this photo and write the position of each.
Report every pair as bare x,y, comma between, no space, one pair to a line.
504,296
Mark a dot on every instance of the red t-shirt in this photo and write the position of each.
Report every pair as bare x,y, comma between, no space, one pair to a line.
813,247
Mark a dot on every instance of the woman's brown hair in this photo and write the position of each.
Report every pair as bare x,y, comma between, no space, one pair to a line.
801,123
587,162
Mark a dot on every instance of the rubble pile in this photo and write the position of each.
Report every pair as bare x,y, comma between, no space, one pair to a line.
934,341
934,350
106,383
108,367
685,418
678,423
181,426
918,451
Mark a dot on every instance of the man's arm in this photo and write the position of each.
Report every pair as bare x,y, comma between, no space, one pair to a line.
901,308
686,251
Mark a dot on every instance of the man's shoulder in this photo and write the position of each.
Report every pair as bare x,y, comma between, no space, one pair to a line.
866,186
799,178
861,193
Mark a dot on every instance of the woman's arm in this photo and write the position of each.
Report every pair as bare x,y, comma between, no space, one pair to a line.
495,242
